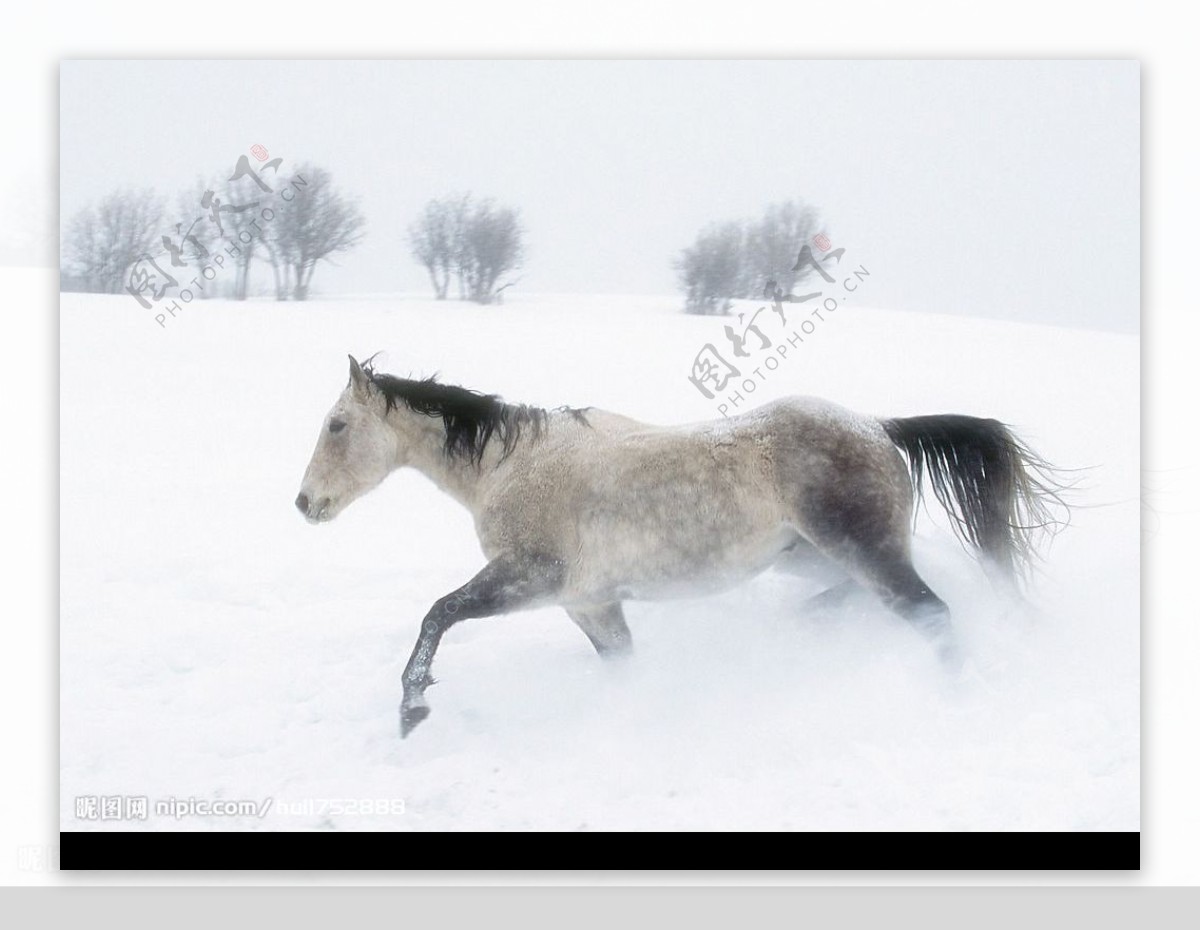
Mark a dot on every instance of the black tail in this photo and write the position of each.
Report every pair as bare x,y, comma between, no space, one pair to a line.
1000,496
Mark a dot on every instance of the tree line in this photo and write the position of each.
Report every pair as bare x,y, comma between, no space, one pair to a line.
741,258
469,246
226,216
470,242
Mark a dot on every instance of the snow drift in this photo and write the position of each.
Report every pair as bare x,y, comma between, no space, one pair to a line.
214,646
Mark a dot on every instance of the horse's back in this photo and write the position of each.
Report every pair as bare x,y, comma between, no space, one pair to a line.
637,509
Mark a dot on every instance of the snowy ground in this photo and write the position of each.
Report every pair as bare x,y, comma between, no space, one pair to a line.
216,646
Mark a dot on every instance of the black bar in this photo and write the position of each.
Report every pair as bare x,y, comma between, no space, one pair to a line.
809,851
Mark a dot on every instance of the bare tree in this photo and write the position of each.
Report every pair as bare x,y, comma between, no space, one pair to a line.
82,261
279,253
435,240
739,260
475,242
460,220
226,226
711,269
102,242
773,243
494,245
317,223
188,244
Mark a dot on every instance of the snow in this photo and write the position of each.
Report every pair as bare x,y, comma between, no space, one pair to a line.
215,646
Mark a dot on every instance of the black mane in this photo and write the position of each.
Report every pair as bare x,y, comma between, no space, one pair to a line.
471,419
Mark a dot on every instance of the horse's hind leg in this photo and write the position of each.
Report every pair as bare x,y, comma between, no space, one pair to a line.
905,592
604,625
856,524
805,561
894,580
834,597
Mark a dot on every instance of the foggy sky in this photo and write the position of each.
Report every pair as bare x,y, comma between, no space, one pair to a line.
1001,189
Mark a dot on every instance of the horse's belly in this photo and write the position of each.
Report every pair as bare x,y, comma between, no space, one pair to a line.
651,586
647,562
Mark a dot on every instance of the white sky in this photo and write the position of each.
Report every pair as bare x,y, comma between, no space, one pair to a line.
1002,189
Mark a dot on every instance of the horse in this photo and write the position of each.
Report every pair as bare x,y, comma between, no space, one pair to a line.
584,508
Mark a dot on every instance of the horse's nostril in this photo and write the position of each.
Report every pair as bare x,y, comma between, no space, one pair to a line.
302,503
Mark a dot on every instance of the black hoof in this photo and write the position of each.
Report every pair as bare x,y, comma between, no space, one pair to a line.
410,717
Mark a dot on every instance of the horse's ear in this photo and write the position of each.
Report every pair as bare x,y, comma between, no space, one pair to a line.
358,379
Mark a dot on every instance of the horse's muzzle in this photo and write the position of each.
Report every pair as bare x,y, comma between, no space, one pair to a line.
313,511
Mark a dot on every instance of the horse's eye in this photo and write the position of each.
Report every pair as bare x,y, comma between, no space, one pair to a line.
336,426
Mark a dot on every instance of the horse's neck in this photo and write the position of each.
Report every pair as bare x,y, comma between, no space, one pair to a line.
423,444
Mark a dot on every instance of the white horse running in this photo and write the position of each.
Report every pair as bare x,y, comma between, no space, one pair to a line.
585,508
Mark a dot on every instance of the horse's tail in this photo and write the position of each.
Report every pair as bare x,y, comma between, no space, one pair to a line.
1000,496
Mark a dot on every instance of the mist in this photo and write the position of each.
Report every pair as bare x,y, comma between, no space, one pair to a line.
996,189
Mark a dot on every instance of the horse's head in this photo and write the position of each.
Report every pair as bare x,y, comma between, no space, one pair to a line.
356,450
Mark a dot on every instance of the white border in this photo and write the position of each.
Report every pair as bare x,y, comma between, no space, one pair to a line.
40,37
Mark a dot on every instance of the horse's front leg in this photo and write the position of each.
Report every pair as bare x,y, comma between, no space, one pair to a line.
505,584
